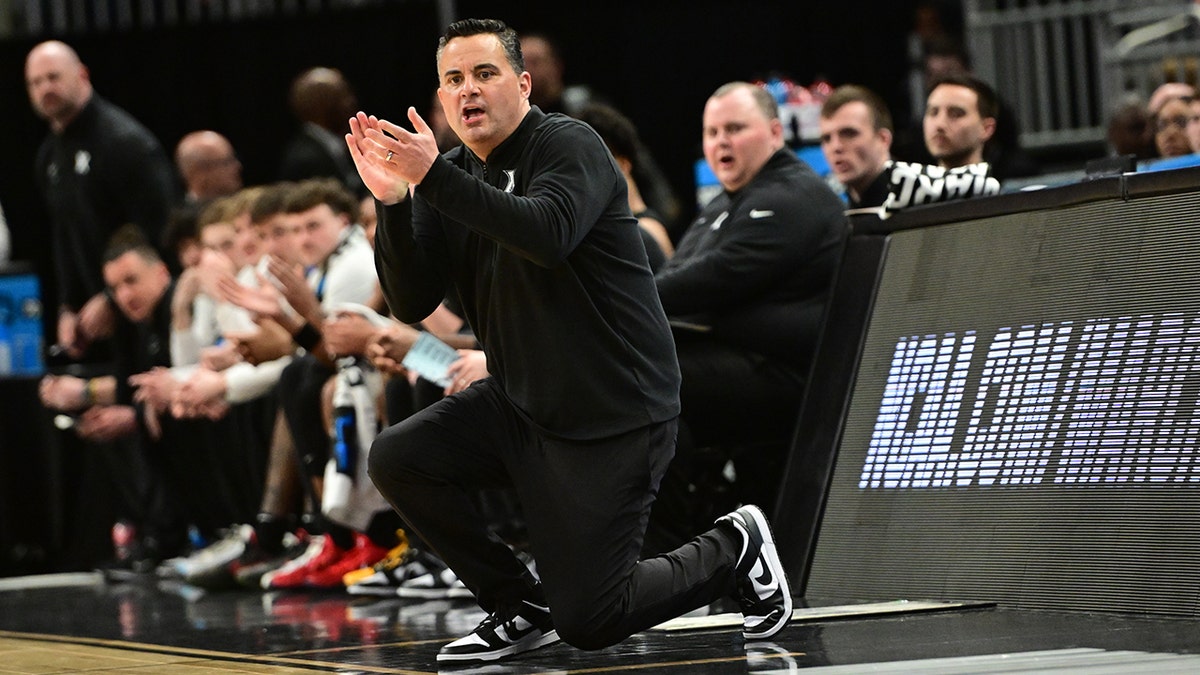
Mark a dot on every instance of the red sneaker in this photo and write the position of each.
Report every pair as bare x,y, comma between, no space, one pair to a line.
364,554
321,553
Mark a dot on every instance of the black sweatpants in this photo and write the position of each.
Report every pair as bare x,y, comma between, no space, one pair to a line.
586,504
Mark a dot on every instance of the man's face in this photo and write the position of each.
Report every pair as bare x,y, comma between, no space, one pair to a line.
223,175
544,68
284,234
1171,128
248,240
738,138
954,131
220,238
483,98
136,284
855,149
188,251
321,230
57,83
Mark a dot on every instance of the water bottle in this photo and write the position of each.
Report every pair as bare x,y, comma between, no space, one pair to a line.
345,435
6,351
345,440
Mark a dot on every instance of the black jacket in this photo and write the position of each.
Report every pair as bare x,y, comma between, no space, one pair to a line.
105,170
756,265
552,274
308,156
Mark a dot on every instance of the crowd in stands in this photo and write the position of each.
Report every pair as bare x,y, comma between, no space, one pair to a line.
252,358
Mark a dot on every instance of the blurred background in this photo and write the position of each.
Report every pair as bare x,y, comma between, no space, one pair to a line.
227,64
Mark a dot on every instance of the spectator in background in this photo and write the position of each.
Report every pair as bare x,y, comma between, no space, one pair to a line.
1170,125
249,551
106,409
552,94
340,269
621,137
209,169
932,21
856,137
960,117
1166,92
180,242
97,170
208,166
1130,132
746,292
1193,128
946,57
1170,114
194,321
545,67
322,100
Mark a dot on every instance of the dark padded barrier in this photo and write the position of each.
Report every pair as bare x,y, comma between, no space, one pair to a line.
1006,405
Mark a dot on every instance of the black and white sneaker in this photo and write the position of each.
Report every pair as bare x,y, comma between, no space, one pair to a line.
505,632
762,586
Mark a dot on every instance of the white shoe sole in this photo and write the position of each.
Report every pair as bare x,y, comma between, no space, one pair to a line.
771,554
544,641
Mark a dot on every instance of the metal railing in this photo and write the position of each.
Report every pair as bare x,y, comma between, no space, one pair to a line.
1062,66
40,18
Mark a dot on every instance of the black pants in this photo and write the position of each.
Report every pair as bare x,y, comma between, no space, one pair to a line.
731,395
299,389
216,468
586,505
736,405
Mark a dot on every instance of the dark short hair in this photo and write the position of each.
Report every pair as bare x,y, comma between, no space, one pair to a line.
615,129
129,238
989,105
468,27
849,93
311,193
762,98
270,201
181,226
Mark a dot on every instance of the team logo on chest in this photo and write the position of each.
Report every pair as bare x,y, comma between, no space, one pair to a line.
510,174
83,162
